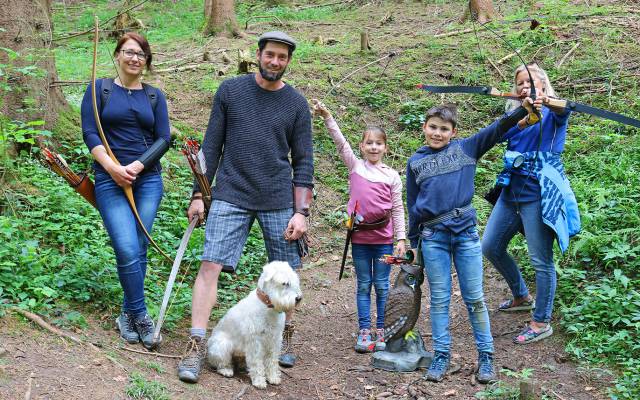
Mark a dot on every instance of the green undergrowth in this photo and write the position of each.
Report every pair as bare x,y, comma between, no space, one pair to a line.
55,252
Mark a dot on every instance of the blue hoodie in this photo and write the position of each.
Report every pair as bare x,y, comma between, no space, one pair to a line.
440,180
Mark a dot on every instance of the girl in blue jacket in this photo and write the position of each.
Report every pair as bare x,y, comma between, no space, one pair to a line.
536,198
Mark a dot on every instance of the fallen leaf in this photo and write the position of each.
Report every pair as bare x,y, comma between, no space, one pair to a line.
450,393
361,380
120,378
369,387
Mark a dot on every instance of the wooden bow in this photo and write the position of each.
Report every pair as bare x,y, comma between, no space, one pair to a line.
127,189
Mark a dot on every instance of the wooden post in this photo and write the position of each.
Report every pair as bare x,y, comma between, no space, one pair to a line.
529,390
364,41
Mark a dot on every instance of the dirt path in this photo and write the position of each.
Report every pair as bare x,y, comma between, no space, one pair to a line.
328,368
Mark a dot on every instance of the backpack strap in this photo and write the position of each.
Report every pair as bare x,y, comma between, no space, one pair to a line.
152,94
107,88
105,92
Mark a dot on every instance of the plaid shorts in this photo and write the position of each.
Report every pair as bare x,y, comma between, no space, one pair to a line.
228,228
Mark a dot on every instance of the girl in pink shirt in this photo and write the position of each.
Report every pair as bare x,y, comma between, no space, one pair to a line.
377,190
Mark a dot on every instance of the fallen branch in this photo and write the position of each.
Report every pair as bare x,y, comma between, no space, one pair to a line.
453,33
497,69
27,395
246,25
190,67
45,325
508,56
562,60
149,353
324,5
67,83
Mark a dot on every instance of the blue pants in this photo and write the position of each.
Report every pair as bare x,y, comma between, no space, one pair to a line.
503,225
439,248
370,270
127,239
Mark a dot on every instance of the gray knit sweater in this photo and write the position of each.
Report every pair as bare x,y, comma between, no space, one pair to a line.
251,133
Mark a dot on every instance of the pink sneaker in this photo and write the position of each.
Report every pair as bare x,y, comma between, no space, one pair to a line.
364,343
380,344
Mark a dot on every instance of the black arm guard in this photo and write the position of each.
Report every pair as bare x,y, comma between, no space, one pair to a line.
154,153
507,122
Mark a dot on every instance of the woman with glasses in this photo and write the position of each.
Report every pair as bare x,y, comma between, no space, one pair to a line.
135,120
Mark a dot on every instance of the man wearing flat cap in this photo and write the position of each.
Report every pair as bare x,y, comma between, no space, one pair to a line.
258,147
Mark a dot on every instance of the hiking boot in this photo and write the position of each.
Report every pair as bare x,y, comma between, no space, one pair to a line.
439,366
364,344
486,371
287,359
144,326
127,329
380,344
191,363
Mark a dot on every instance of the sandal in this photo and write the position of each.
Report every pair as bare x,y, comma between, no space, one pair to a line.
528,335
508,306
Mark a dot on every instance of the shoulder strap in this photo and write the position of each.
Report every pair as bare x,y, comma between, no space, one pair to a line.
107,85
152,94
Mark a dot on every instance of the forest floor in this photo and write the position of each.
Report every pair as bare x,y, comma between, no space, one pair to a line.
35,360
327,368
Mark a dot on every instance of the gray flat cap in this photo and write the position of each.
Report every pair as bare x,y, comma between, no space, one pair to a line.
277,36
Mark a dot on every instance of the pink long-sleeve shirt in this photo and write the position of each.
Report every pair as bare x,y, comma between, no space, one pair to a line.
377,189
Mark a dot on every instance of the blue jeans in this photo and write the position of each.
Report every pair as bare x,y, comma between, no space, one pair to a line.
503,224
370,270
439,248
127,239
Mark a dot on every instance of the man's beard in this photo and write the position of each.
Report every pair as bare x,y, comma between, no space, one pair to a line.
271,76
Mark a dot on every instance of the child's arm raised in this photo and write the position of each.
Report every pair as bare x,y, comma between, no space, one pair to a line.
344,149
487,137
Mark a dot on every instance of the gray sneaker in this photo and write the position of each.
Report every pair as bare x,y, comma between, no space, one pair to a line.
144,326
125,325
191,364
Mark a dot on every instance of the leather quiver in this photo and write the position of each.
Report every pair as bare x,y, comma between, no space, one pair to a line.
86,189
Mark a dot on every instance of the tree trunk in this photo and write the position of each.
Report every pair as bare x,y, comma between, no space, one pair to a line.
481,11
222,18
207,9
25,92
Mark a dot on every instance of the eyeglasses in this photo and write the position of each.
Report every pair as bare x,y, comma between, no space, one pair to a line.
129,54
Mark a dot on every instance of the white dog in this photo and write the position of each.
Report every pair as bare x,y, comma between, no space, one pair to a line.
252,329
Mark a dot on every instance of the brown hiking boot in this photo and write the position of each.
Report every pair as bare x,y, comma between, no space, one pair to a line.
191,363
287,358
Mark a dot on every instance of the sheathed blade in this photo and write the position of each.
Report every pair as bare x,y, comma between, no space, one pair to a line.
598,112
344,253
173,274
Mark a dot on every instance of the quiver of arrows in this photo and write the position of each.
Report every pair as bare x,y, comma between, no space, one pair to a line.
81,183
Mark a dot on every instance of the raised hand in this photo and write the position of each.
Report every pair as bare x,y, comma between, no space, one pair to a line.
320,109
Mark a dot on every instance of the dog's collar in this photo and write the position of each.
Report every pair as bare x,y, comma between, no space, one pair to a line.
264,298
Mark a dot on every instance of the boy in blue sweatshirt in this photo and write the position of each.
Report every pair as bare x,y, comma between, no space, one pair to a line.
442,223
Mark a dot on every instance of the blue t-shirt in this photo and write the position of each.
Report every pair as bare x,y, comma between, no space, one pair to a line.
524,186
128,121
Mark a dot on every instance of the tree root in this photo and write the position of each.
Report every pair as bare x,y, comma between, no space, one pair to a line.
45,325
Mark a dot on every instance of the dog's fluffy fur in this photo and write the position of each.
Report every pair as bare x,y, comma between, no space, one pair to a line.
253,331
